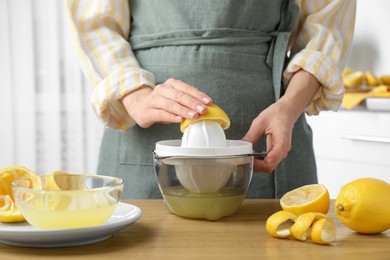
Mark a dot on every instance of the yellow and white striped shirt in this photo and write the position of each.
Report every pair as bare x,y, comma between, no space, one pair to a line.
320,45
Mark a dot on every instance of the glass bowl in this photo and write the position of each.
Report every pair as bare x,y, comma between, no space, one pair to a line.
68,200
203,187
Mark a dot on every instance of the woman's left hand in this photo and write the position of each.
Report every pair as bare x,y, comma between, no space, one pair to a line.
277,124
277,121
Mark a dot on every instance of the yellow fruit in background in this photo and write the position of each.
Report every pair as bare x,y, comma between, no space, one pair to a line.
214,113
371,79
308,198
363,205
278,224
347,71
353,79
8,210
385,79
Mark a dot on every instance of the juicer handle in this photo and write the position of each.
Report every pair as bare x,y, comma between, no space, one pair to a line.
258,155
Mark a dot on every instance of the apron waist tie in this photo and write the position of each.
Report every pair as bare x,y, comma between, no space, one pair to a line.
276,42
217,36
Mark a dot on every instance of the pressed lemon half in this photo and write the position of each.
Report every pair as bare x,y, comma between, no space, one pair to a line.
8,210
214,113
61,180
308,198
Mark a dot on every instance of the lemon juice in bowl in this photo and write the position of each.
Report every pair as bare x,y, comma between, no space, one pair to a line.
89,204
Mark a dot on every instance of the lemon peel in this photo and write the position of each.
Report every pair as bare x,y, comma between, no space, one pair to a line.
283,224
323,231
276,224
301,227
214,113
308,198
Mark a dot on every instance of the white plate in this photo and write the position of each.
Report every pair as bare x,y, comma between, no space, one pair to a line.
23,234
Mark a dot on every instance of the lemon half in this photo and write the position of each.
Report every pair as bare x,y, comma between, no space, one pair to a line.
308,198
214,113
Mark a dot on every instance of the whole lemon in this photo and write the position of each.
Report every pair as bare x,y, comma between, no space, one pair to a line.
363,205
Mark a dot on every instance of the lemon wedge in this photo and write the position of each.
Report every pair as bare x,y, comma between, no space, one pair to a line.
214,113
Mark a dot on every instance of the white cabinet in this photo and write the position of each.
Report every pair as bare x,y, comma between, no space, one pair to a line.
351,145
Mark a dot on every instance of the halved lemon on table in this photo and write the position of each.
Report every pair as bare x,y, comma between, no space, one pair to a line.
8,209
308,198
214,113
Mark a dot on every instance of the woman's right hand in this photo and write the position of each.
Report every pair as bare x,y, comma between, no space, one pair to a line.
169,102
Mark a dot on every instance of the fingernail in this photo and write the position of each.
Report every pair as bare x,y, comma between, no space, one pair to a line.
206,100
200,108
191,113
179,118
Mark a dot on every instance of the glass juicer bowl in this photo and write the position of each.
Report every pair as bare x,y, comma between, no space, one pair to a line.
204,182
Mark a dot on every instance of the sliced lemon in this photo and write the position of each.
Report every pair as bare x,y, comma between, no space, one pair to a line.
323,231
214,113
8,209
308,198
279,223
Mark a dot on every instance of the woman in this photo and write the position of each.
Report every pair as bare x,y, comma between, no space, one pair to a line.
154,63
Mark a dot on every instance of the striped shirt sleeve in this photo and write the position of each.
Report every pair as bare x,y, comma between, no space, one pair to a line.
100,30
320,45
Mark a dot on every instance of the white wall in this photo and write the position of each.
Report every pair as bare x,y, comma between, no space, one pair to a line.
46,121
371,47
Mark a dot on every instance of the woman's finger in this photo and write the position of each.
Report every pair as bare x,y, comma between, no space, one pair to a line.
190,90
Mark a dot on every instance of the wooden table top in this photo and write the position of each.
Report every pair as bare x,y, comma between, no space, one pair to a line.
160,235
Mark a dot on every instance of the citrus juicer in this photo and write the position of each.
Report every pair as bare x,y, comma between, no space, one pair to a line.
204,175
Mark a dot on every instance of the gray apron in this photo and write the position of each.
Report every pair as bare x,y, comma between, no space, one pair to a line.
234,51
